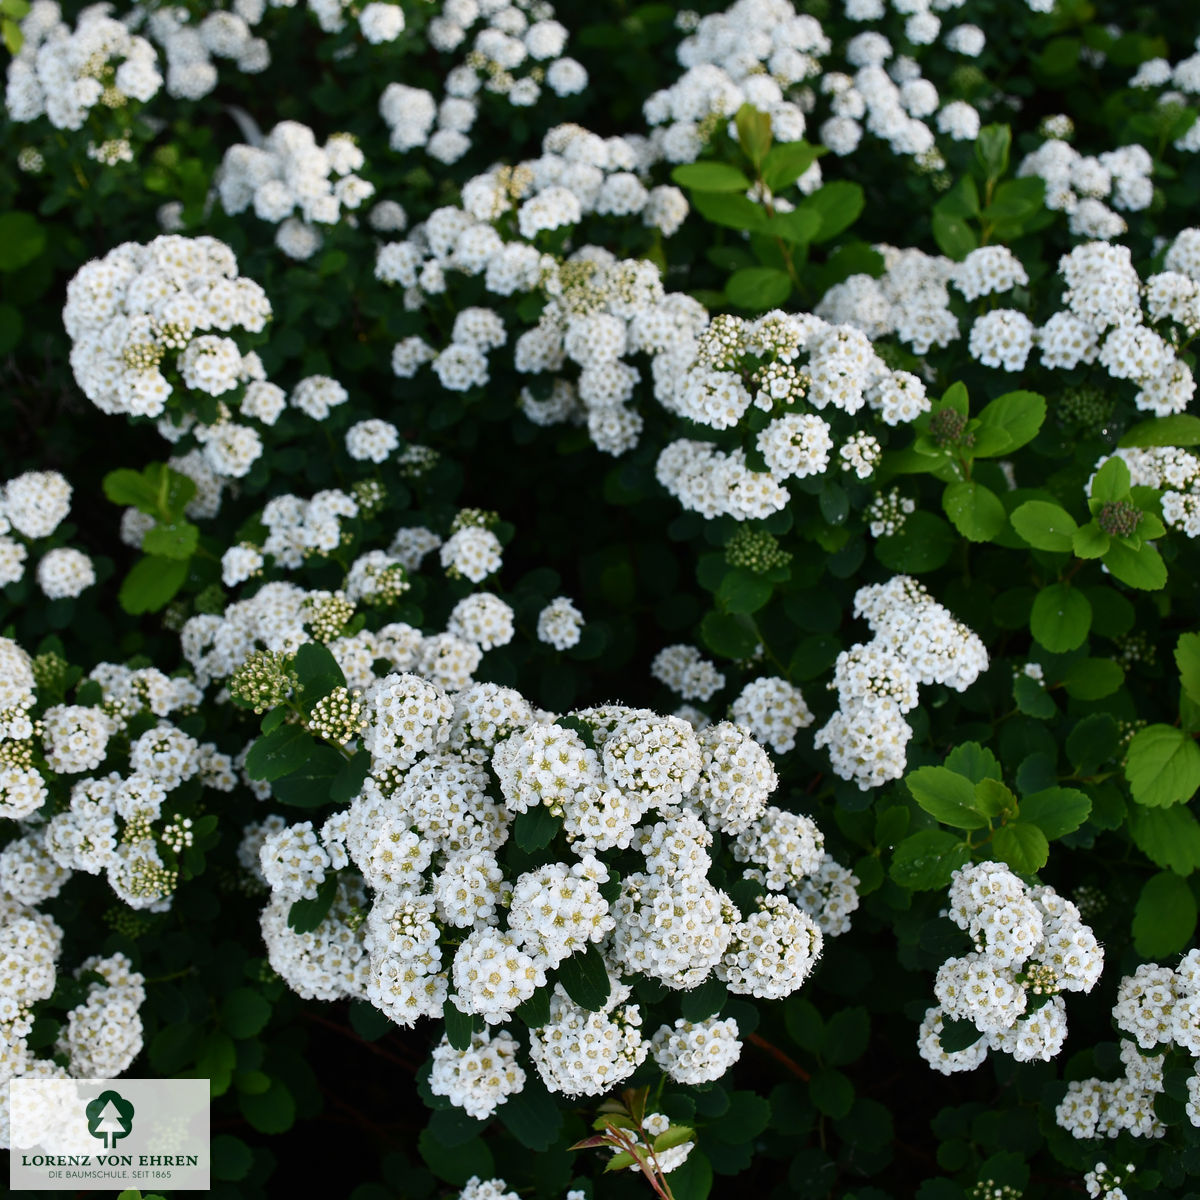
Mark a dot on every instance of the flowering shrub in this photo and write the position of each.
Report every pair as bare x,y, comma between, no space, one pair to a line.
601,600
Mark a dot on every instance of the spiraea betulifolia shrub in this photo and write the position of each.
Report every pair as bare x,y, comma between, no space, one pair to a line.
602,600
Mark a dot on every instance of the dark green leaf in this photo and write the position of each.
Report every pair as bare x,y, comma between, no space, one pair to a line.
459,1025
703,1001
1164,917
1093,678
532,1117
272,1111
311,784
175,540
954,237
974,761
151,584
318,673
831,1092
924,544
1141,568
1162,766
742,591
584,978
306,915
711,177
1187,659
1022,846
947,796
926,860
22,239
838,204
348,782
1061,618
1168,837
535,828
1182,429
1056,811
279,752
1044,526
758,288
957,1034
1008,422
975,511
787,161
245,1012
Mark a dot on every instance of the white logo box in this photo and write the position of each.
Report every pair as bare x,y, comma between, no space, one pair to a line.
103,1134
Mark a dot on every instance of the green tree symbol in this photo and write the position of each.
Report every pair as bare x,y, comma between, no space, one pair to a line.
110,1117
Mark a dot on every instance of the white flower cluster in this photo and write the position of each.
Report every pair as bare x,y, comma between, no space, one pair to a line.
189,48
1030,945
289,171
917,642
424,836
1104,322
772,710
63,73
480,1078
32,506
560,624
715,376
697,1052
687,672
141,308
516,49
1157,1008
99,1038
1084,185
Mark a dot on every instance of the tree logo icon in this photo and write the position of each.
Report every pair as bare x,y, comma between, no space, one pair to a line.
109,1117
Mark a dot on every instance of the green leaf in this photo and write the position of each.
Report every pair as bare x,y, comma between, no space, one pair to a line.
1182,429
1090,541
1016,200
279,752
585,978
1022,846
754,132
272,1111
976,511
1164,917
459,1025
535,1011
954,237
131,489
957,1034
456,1164
307,915
758,288
348,782
1187,659
924,544
846,1035
742,591
1141,568
1056,811
1112,482
245,1012
1092,742
704,1001
1044,526
804,1024
1168,837
151,584
310,785
787,161
711,177
947,796
730,210
1162,766
535,828
798,227
318,673
231,1159
175,540
1009,422
926,860
991,150
992,798
974,761
731,635
676,1135
532,1117
838,204
22,239
1093,678
831,1092
1061,618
